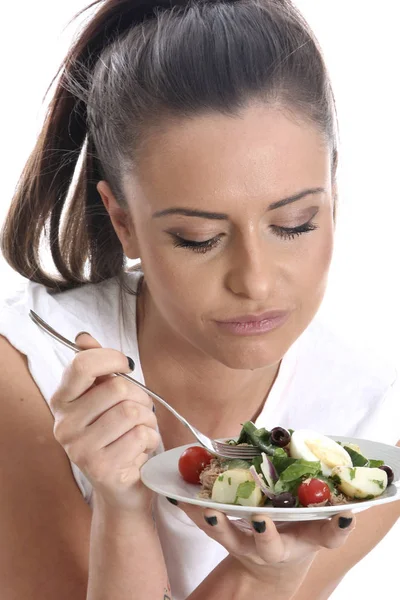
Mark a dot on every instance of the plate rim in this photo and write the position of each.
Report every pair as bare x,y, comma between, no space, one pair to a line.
271,510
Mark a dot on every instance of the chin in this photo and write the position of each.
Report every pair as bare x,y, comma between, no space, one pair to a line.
249,360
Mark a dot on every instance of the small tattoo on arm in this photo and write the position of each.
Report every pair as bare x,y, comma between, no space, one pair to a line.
167,593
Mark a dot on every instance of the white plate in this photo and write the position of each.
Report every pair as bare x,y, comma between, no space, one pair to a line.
161,475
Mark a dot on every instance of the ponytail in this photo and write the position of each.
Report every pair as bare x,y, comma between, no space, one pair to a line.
41,195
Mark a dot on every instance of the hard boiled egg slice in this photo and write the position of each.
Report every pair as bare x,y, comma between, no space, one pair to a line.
310,445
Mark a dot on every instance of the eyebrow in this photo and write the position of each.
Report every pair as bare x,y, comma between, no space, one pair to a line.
188,212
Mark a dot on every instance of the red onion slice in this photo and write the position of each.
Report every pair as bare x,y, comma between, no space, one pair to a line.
265,490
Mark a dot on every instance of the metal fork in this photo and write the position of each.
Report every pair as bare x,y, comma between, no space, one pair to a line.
216,447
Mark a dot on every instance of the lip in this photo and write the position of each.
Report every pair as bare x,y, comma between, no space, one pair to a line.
272,314
247,325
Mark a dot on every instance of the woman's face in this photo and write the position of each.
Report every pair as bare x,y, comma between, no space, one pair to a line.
233,223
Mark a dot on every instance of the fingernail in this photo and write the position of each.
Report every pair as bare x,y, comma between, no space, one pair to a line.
81,333
131,363
345,522
172,500
211,520
259,526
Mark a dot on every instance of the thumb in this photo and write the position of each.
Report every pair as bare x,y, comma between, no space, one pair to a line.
331,533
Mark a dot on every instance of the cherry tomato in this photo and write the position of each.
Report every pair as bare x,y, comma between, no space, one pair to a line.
313,491
192,462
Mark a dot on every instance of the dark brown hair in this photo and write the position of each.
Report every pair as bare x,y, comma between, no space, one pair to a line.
134,64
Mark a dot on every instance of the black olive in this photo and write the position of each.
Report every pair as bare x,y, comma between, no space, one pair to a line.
284,500
389,473
280,437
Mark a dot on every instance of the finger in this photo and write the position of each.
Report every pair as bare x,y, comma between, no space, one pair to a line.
129,447
268,542
117,421
327,533
99,399
85,341
217,526
334,533
83,370
141,460
120,461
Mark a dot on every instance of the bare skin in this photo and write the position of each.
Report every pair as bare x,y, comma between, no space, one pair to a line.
237,167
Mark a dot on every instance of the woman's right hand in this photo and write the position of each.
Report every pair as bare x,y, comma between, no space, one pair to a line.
105,424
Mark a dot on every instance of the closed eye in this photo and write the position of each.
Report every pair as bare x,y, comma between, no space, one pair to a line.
202,247
289,233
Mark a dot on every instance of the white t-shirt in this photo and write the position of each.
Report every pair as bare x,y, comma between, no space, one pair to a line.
322,384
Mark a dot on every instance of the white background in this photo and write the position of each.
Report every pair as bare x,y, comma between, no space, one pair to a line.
363,299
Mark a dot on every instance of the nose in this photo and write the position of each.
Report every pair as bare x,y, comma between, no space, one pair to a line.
251,273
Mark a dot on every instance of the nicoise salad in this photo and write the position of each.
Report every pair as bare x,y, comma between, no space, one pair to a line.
299,468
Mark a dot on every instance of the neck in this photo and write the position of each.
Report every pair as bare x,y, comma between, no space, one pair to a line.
197,385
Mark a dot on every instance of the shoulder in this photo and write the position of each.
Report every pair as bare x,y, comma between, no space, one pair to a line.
94,307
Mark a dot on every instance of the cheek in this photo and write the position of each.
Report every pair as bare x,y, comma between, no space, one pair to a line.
313,266
176,288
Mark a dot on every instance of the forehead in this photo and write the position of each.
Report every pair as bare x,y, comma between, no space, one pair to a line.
261,153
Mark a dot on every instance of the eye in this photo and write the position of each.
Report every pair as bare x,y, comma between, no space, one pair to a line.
289,233
202,247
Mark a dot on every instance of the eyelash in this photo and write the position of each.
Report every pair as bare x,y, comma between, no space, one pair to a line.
200,247
287,233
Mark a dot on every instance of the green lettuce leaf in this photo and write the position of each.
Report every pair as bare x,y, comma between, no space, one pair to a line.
236,463
373,464
299,469
357,459
245,489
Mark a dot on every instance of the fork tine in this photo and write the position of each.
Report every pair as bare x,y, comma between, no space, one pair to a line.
238,452
248,457
235,451
245,449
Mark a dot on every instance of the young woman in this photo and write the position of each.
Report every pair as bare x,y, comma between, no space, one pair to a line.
207,133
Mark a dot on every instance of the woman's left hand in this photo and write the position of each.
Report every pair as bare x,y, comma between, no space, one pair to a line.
279,554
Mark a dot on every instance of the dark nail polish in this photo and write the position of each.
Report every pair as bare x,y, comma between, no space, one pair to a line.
81,333
172,500
259,526
211,520
345,522
131,363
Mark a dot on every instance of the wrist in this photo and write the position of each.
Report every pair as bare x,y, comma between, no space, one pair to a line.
120,519
280,581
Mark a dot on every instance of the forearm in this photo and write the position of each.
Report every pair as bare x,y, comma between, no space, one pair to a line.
230,581
126,560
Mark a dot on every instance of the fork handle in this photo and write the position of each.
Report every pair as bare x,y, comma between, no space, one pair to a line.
156,397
